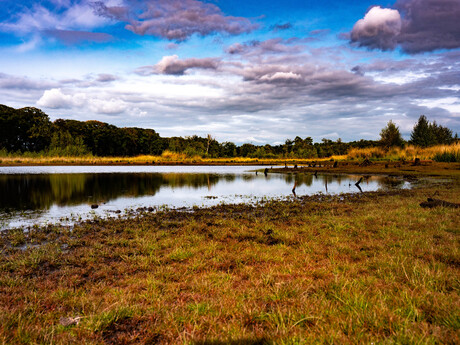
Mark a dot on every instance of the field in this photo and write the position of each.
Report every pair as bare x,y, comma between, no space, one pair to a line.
363,268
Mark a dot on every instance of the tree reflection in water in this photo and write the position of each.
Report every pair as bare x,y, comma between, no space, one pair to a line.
24,192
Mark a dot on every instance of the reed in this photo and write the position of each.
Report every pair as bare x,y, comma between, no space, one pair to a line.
439,153
167,157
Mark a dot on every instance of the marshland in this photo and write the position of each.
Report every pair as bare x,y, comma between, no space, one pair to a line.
370,267
210,172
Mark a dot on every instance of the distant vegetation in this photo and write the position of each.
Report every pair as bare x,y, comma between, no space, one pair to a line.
28,132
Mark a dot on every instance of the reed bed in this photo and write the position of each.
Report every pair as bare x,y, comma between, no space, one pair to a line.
439,153
167,157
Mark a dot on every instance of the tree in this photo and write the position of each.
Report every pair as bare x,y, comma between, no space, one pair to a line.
428,134
421,134
442,135
390,136
26,129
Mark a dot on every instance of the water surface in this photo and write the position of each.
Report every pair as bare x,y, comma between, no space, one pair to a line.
42,195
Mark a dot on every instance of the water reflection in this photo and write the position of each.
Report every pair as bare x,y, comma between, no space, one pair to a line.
32,192
56,195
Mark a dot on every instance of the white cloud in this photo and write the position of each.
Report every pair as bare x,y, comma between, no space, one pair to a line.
55,99
281,76
109,107
378,29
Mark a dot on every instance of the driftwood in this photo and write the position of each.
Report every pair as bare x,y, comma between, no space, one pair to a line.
293,189
430,203
366,163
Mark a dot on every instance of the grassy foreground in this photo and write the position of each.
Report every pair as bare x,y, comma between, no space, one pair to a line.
369,268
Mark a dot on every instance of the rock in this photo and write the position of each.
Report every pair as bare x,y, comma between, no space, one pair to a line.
94,206
69,321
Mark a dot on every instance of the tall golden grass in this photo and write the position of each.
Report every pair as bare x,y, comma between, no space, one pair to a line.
167,157
410,152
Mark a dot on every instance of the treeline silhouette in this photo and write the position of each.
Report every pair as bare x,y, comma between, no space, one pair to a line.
30,130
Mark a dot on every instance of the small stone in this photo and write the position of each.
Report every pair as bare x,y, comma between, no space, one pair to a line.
69,321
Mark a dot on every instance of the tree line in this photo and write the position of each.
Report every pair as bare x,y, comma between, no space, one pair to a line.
424,134
30,130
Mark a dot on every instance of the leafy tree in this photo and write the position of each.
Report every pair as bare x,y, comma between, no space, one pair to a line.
390,136
26,129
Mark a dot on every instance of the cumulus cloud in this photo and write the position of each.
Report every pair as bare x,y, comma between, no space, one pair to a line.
175,20
110,106
378,29
415,25
57,99
172,65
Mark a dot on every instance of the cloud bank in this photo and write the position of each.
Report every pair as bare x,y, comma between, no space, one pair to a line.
175,20
415,26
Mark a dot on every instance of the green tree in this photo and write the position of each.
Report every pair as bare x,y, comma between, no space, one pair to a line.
26,129
422,135
442,135
390,136
428,134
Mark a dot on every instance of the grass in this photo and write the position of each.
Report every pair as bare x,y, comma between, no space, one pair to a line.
369,268
167,157
439,153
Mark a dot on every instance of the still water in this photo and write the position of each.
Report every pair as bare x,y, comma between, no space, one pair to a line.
64,194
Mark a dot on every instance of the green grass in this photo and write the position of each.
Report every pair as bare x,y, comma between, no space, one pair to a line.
372,268
448,157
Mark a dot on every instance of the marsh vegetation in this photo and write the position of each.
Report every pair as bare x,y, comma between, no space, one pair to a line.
362,268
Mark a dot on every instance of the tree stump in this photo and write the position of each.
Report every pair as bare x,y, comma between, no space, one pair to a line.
431,203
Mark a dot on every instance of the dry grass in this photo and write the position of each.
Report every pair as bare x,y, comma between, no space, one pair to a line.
372,268
167,157
410,152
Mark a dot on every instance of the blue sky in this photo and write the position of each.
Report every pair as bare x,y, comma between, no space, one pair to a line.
249,71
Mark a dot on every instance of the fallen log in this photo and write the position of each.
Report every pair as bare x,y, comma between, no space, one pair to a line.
430,203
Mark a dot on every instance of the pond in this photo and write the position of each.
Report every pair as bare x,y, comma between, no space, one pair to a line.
65,194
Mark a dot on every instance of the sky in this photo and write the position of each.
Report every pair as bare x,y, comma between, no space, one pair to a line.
243,71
